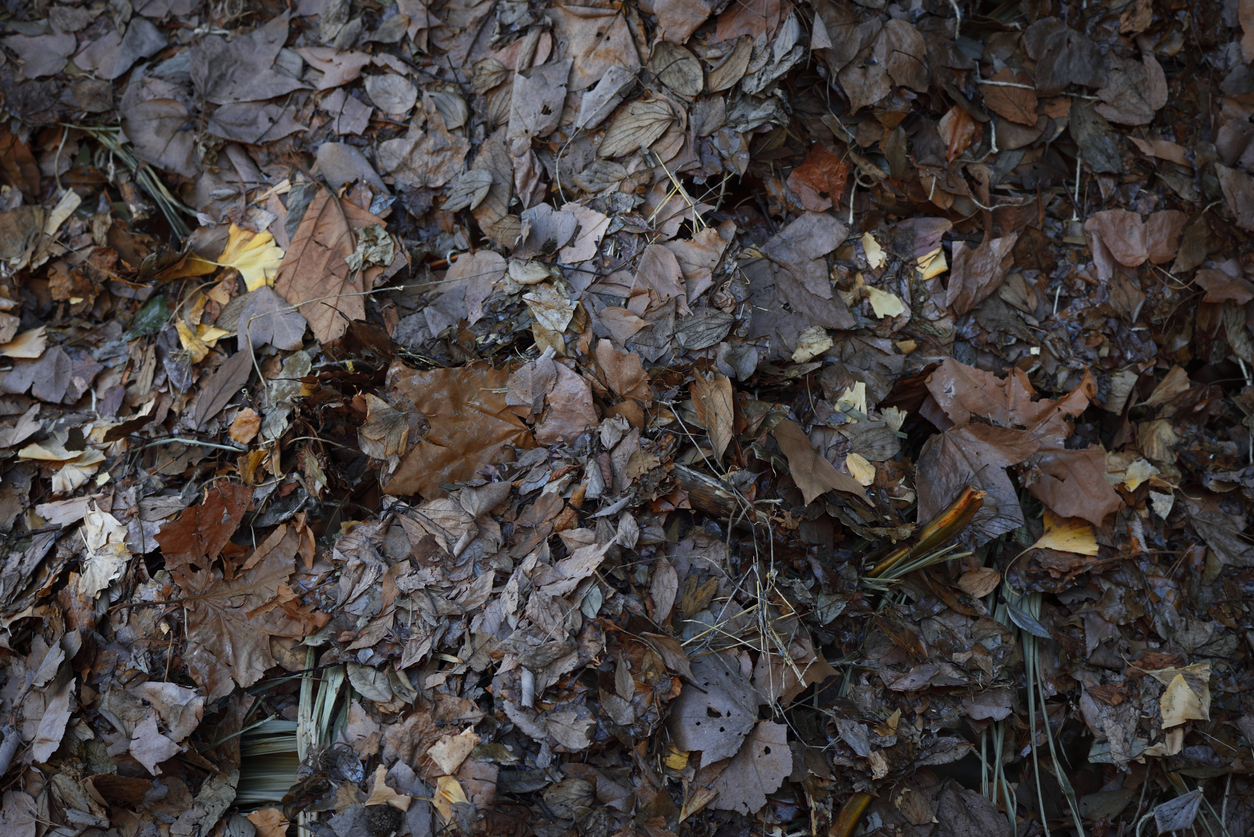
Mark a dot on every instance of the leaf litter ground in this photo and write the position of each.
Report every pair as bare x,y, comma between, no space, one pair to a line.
650,418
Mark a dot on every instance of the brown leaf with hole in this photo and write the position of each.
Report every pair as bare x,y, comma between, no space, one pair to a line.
760,767
713,402
315,275
814,475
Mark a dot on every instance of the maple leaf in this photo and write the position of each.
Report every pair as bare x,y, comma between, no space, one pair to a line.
229,623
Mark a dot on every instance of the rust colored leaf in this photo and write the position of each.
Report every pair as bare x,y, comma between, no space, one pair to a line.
820,180
957,130
315,275
471,425
1011,96
199,533
229,623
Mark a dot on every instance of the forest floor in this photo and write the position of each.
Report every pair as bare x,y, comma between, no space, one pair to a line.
634,418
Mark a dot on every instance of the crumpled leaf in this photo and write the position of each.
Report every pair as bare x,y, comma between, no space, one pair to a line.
107,553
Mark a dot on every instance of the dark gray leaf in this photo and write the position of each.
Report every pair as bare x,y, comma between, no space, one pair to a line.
267,318
1179,813
220,386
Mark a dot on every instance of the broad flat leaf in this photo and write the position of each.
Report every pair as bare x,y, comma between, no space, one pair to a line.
1179,813
1067,535
229,623
199,533
759,768
51,724
713,402
470,427
222,385
149,747
315,275
267,319
814,475
716,711
635,126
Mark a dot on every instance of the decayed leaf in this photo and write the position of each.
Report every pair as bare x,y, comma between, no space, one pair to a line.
814,475
635,126
758,769
715,713
713,402
448,792
107,553
315,275
1011,95
469,190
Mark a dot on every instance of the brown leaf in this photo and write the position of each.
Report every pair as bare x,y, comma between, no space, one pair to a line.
229,623
716,711
1238,189
624,373
471,425
570,409
267,319
536,107
979,272
813,474
1016,103
1063,56
315,276
957,130
677,68
1074,484
222,385
820,180
713,402
199,533
635,126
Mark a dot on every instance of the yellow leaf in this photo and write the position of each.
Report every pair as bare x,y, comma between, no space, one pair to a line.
448,792
860,469
28,345
1067,534
933,264
885,304
381,794
676,759
198,343
1187,697
1138,472
254,255
874,252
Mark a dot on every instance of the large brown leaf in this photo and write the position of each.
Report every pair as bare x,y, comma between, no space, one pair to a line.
198,534
229,623
315,275
471,425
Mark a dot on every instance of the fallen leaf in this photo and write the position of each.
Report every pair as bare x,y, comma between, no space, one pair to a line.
759,768
814,475
1067,535
712,401
315,275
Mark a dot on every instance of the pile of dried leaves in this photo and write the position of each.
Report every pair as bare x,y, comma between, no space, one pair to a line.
527,417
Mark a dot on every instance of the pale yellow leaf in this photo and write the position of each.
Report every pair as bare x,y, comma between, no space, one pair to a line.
861,470
254,255
885,304
874,252
28,345
1067,534
448,792
812,342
